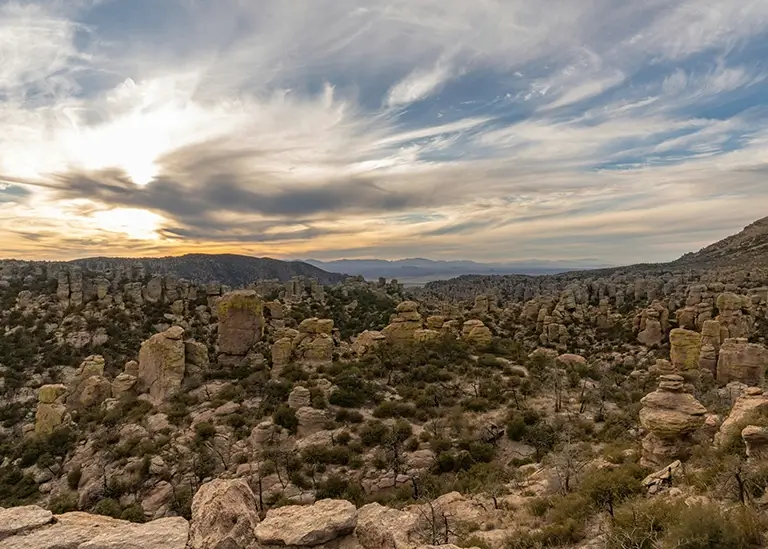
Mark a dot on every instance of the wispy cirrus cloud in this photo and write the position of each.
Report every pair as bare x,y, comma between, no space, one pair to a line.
486,130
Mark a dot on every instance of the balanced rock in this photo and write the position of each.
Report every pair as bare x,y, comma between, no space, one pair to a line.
685,348
742,361
241,322
162,364
224,516
307,525
671,416
404,323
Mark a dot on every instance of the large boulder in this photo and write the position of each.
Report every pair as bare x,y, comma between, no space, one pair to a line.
307,525
224,516
241,321
685,348
162,364
19,520
742,361
63,531
165,533
476,333
380,527
299,397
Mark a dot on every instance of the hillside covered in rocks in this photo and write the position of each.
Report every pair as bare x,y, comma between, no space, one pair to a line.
229,269
622,408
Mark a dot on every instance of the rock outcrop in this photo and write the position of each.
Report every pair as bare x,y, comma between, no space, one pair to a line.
747,409
671,416
685,349
742,361
307,526
51,410
35,528
162,364
241,322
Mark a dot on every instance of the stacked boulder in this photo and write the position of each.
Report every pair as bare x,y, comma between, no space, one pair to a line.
652,324
670,416
404,323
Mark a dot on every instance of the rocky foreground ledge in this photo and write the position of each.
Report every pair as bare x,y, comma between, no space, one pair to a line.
225,516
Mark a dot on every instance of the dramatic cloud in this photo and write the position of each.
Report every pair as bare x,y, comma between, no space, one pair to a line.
486,130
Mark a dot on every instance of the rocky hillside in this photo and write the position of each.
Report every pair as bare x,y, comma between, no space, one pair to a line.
233,270
735,254
614,409
749,247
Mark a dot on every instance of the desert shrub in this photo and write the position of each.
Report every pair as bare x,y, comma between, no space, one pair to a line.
348,416
133,513
107,507
286,417
204,431
63,503
73,477
607,488
659,523
373,433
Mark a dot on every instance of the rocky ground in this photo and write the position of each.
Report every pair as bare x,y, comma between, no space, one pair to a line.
620,408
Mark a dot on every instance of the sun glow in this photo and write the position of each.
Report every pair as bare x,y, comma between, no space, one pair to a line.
133,223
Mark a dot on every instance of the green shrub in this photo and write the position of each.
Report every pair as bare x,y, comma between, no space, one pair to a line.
133,513
73,477
63,503
107,507
285,416
373,433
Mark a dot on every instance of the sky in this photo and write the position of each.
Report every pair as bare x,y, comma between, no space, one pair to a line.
491,130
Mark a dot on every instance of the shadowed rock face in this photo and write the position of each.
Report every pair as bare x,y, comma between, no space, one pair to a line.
241,322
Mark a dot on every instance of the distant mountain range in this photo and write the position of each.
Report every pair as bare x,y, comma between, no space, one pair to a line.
745,249
230,269
420,271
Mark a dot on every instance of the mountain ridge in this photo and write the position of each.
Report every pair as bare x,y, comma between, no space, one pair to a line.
231,269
